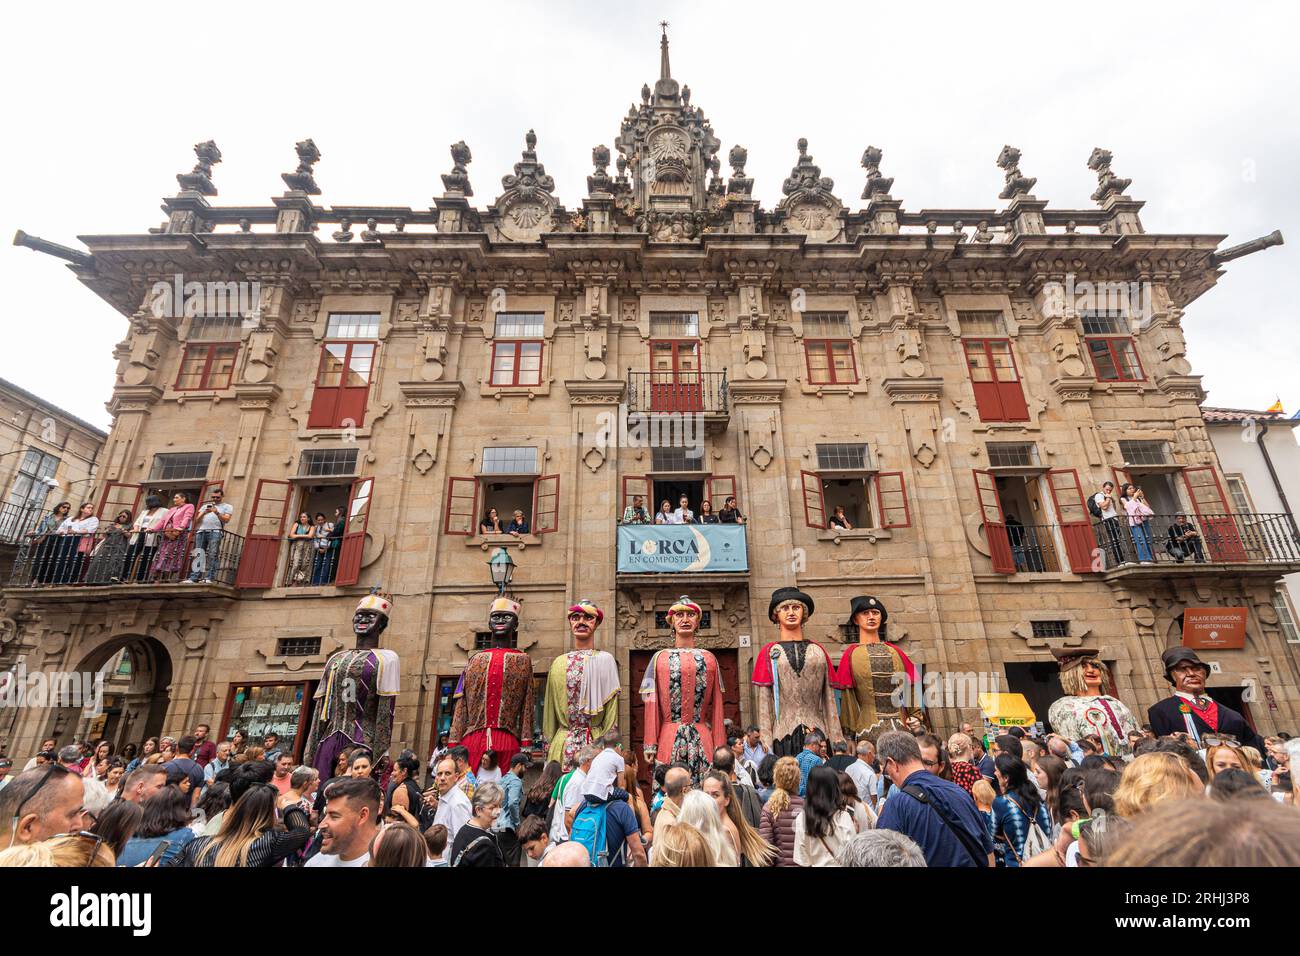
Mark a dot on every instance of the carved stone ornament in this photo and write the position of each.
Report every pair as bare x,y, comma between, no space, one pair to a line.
810,206
878,186
1108,184
524,209
456,182
302,179
1017,184
199,179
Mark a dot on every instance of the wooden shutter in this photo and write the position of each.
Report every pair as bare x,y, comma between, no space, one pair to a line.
891,496
462,507
546,504
265,531
718,489
117,495
1072,513
354,534
995,524
814,505
1218,527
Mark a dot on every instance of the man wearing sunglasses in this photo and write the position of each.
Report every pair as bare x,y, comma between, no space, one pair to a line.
40,804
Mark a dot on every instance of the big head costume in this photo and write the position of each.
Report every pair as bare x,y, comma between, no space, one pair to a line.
495,695
1082,712
582,689
794,677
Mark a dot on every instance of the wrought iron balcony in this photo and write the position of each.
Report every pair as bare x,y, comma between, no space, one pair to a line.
703,393
1210,539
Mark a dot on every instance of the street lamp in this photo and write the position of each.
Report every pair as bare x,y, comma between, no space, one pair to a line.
502,569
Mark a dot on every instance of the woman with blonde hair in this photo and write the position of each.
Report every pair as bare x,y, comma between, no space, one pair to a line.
1230,757
752,849
27,854
680,845
1154,778
699,810
80,850
776,826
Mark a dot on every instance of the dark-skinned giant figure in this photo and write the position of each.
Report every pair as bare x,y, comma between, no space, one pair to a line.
494,699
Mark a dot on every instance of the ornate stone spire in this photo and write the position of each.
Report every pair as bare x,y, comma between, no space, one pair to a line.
666,92
199,179
456,182
1017,185
878,186
302,179
1108,184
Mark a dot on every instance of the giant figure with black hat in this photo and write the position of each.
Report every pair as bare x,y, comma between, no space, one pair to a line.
1191,710
794,677
357,691
873,674
494,698
1090,706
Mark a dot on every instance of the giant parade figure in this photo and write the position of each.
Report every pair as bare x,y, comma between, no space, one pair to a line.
494,699
581,689
795,678
1090,706
1192,710
357,691
682,690
873,674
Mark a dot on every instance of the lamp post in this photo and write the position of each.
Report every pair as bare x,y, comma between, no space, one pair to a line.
502,569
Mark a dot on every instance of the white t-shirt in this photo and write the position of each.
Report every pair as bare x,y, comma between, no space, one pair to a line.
333,859
683,516
210,520
1106,504
79,526
454,811
488,776
570,798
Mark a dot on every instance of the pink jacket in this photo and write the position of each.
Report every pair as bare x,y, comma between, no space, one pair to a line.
175,518
1138,511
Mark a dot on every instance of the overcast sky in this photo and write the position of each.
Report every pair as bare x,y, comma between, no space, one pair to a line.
1197,101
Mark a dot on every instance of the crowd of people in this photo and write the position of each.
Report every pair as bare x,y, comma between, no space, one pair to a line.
729,513
905,798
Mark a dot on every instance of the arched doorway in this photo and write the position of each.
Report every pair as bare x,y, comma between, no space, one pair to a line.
136,674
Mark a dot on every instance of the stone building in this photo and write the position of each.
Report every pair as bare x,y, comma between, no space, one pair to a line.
948,377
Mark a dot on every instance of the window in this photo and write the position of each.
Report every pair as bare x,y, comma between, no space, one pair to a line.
206,366
1043,629
297,647
182,466
1095,323
828,349
1012,454
674,325
1285,619
483,640
840,488
327,462
1115,359
342,384
215,328
352,325
1144,452
995,381
1241,502
30,486
987,322
517,349
676,459
470,499
662,623
843,457
509,461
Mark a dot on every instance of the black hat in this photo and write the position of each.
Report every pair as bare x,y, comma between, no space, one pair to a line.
1068,657
865,602
781,595
1174,656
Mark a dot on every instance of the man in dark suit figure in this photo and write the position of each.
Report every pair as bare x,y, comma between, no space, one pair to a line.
1191,710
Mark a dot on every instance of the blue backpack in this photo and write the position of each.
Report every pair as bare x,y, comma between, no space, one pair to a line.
589,831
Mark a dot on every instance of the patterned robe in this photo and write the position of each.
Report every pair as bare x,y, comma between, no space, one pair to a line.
796,679
1106,716
683,707
354,705
581,702
873,678
494,705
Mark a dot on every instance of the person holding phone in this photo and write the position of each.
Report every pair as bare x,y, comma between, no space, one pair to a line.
212,518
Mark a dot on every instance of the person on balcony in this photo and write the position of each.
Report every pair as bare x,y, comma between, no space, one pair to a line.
518,524
337,529
1103,505
684,513
839,519
1184,540
211,520
143,544
174,527
666,515
730,514
706,513
1139,521
490,524
109,556
320,540
77,541
300,551
635,513
46,544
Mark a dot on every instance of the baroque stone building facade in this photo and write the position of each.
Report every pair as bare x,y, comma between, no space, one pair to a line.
933,373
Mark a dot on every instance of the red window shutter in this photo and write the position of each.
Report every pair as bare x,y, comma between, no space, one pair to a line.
342,385
546,504
634,485
1011,394
354,534
265,531
462,506
117,496
995,525
1218,527
988,398
814,505
718,489
1072,513
891,496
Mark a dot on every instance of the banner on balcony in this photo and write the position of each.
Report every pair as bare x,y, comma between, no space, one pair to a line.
1211,628
681,548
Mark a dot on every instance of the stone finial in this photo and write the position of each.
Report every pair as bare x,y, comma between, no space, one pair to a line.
806,177
302,179
530,141
739,184
599,181
737,159
199,179
878,186
456,182
645,96
686,96
1108,184
530,176
1017,184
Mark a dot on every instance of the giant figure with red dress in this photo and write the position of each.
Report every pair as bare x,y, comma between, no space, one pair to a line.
495,695
682,690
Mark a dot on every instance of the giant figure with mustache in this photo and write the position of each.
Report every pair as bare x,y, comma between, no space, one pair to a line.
581,689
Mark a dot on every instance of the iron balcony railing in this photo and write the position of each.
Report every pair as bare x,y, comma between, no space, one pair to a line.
117,558
1033,547
309,565
668,392
18,521
1207,538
